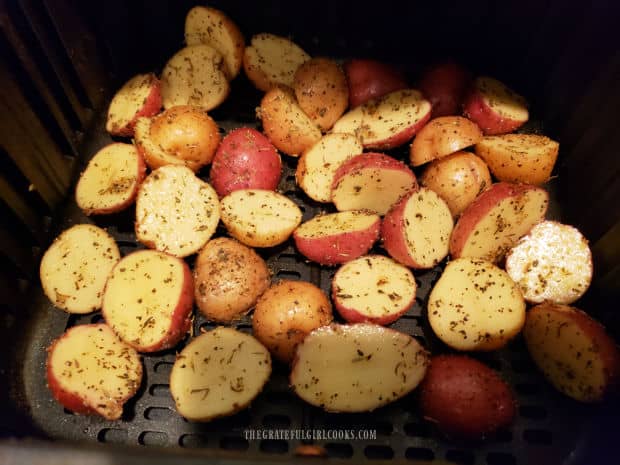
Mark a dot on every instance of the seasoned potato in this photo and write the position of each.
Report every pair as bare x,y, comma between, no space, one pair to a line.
140,96
286,312
370,79
228,279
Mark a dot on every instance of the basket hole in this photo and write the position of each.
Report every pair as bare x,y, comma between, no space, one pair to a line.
378,452
112,435
234,443
153,438
193,440
421,430
276,421
381,427
290,178
339,450
533,411
163,367
289,274
159,390
460,457
523,366
538,436
157,413
274,446
503,436
527,389
500,458
419,453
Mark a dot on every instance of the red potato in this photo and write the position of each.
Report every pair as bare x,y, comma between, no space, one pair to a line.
370,79
444,85
494,107
338,237
245,160
475,306
111,180
458,179
497,219
140,96
91,371
371,181
465,398
387,122
416,231
551,263
148,300
373,288
573,351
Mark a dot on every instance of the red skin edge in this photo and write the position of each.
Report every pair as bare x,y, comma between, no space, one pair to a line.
404,136
475,108
140,175
151,107
444,85
393,233
370,160
378,79
345,246
479,208
70,400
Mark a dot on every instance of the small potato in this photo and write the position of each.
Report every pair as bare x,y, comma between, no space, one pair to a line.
370,79
140,96
286,312
321,90
465,398
228,279
444,85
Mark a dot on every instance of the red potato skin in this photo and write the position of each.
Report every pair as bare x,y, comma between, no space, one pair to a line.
402,137
491,123
338,248
151,107
371,160
445,85
370,79
465,398
245,159
393,233
479,208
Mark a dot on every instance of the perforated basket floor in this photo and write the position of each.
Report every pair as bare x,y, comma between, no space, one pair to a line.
546,429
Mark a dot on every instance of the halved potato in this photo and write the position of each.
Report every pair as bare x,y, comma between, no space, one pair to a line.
443,136
194,76
373,288
285,123
111,180
148,300
573,351
317,166
552,263
357,368
75,268
91,371
259,218
206,25
176,212
218,374
475,306
140,96
271,60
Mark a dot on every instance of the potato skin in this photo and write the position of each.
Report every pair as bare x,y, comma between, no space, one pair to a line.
371,79
444,85
228,279
465,398
286,312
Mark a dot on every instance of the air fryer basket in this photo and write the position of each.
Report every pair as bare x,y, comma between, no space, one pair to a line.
549,428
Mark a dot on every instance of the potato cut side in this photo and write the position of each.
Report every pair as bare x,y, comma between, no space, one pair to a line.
553,262
416,232
195,76
75,268
371,181
387,121
285,123
443,136
373,288
89,370
218,374
573,351
110,181
475,306
497,219
318,165
525,158
148,300
337,237
357,368
205,25
259,218
271,60
140,96
176,212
